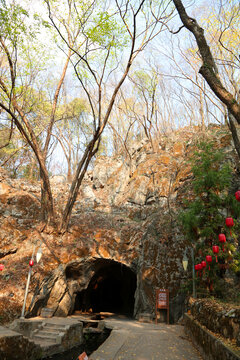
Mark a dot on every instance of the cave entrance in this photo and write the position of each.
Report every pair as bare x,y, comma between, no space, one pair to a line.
111,289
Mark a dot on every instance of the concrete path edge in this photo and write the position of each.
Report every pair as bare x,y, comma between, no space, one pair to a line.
210,347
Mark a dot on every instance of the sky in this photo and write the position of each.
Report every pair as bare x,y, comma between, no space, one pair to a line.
160,53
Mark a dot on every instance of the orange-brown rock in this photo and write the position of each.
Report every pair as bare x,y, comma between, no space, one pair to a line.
124,219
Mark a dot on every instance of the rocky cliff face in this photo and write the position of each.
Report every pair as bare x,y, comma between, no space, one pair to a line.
123,234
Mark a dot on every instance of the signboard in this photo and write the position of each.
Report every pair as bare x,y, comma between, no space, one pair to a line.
82,356
162,301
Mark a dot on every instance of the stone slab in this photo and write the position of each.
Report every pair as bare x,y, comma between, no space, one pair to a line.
111,346
132,340
14,346
47,312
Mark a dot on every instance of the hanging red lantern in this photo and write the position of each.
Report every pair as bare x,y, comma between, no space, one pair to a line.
1,267
196,268
215,249
209,260
229,223
222,239
200,268
237,195
31,262
204,264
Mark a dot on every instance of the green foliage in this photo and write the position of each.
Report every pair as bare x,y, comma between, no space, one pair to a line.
210,175
147,81
204,217
16,157
11,20
106,32
16,23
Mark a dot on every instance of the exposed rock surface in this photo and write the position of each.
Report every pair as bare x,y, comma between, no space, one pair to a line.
123,214
14,346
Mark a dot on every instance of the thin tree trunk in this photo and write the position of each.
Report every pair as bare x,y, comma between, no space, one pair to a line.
81,170
201,110
209,68
89,152
69,172
46,193
232,127
47,209
54,105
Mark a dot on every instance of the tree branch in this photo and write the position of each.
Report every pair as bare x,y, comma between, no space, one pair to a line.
208,69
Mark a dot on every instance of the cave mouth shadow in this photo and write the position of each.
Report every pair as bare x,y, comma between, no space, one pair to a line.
111,289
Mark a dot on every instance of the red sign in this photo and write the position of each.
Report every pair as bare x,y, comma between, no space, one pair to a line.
162,301
82,356
1,267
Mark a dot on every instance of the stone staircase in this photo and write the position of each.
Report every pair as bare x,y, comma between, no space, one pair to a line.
49,334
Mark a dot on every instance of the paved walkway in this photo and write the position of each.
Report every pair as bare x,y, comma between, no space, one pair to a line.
131,340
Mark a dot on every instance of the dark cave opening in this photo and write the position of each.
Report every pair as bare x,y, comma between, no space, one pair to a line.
111,290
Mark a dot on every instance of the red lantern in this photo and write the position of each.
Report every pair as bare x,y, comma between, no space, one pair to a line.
204,264
229,223
209,260
196,268
237,195
1,267
200,268
222,239
31,262
215,250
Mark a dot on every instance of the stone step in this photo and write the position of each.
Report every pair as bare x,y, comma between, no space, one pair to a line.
48,348
44,344
48,334
52,330
45,338
55,326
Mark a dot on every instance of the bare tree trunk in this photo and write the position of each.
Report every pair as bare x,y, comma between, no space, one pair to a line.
90,151
232,127
47,210
69,172
27,131
31,169
201,110
99,76
209,68
81,170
